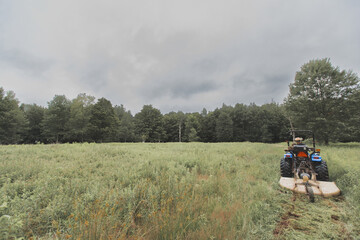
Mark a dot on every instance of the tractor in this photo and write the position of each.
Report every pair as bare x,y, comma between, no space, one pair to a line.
303,169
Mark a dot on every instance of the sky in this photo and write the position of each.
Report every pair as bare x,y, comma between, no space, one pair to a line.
178,55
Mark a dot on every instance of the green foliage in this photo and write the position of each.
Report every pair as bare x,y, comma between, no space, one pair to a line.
208,126
192,127
224,128
174,125
126,132
12,121
149,124
275,126
319,98
34,115
80,113
103,123
55,119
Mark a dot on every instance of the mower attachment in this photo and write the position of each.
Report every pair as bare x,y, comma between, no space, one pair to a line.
322,188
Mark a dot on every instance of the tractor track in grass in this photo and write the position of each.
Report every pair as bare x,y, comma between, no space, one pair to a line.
323,219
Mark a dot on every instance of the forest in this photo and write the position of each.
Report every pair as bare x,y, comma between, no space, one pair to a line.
322,98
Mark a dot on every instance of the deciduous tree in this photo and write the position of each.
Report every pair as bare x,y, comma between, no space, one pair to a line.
319,96
78,123
192,127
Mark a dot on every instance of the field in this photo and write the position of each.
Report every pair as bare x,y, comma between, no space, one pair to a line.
169,191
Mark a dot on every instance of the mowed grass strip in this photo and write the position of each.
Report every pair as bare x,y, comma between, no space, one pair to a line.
156,191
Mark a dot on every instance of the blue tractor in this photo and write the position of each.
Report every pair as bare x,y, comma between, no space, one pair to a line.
301,160
303,169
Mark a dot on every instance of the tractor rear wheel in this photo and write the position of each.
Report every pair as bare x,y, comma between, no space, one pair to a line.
286,168
322,171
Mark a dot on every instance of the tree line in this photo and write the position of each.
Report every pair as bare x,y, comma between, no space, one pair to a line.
322,98
84,120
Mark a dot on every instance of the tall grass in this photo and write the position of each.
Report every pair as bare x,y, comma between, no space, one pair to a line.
150,191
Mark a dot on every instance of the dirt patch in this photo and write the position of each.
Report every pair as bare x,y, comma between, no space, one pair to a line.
316,220
336,218
285,221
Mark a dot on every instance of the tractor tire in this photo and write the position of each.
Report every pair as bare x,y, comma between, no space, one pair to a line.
322,171
286,168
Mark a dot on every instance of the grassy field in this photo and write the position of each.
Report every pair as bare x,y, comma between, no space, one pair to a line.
169,191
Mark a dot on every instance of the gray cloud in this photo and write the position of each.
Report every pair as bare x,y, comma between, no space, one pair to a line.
183,55
24,62
180,88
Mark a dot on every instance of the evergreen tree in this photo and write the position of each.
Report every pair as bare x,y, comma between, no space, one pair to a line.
224,127
254,123
207,131
12,120
55,119
149,124
240,119
34,115
275,125
103,123
126,132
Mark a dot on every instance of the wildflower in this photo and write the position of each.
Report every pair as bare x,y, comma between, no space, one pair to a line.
86,223
68,236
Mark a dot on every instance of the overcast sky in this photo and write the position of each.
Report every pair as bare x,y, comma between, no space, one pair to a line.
174,54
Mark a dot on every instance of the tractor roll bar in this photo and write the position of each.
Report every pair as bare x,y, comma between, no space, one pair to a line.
292,132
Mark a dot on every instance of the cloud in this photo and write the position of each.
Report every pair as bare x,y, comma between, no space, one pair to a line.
182,55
